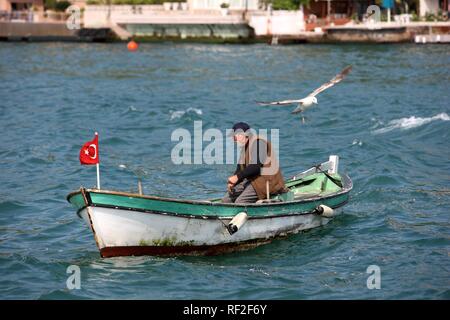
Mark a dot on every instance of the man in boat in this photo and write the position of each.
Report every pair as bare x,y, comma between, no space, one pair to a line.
257,175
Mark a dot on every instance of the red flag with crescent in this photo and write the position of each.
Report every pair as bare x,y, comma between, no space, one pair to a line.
89,152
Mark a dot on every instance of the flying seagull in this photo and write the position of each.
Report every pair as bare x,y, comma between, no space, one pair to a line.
311,99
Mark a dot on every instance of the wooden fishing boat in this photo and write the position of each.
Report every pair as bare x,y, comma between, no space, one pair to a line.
126,224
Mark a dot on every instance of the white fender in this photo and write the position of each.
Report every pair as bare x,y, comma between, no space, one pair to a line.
237,222
325,211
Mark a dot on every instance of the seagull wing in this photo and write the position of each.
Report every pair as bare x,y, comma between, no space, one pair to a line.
278,103
338,78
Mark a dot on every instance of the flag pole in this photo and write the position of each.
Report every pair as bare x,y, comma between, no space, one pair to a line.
98,176
98,169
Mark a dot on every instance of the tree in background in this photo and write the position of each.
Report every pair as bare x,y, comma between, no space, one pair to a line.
55,5
131,2
287,4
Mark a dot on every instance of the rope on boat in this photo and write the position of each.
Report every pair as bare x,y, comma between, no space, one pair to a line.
224,224
335,181
236,222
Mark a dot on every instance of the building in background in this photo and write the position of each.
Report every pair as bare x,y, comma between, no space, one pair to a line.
21,5
20,10
337,9
216,4
433,7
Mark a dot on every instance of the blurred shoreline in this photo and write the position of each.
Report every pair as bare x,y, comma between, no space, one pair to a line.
423,32
189,22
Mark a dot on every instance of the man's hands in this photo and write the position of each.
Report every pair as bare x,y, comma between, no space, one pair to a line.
232,182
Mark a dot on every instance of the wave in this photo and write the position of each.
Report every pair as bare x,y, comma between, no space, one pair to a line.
178,114
131,109
8,206
411,122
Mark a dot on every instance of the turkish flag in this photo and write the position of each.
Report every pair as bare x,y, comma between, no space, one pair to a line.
89,152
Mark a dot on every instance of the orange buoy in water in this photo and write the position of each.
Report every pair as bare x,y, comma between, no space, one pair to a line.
132,46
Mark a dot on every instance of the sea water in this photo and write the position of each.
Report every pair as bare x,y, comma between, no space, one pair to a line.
389,121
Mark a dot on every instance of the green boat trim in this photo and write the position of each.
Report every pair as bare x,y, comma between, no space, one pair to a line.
305,195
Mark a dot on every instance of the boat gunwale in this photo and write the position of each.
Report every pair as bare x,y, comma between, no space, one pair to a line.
203,216
347,187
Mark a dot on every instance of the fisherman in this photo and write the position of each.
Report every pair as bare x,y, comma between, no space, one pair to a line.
257,175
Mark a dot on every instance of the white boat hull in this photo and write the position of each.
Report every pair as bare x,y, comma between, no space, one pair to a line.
127,232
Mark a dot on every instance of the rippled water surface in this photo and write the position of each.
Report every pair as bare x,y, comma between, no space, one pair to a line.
389,122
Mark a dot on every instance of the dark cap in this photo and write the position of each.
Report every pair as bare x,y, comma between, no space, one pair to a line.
241,126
